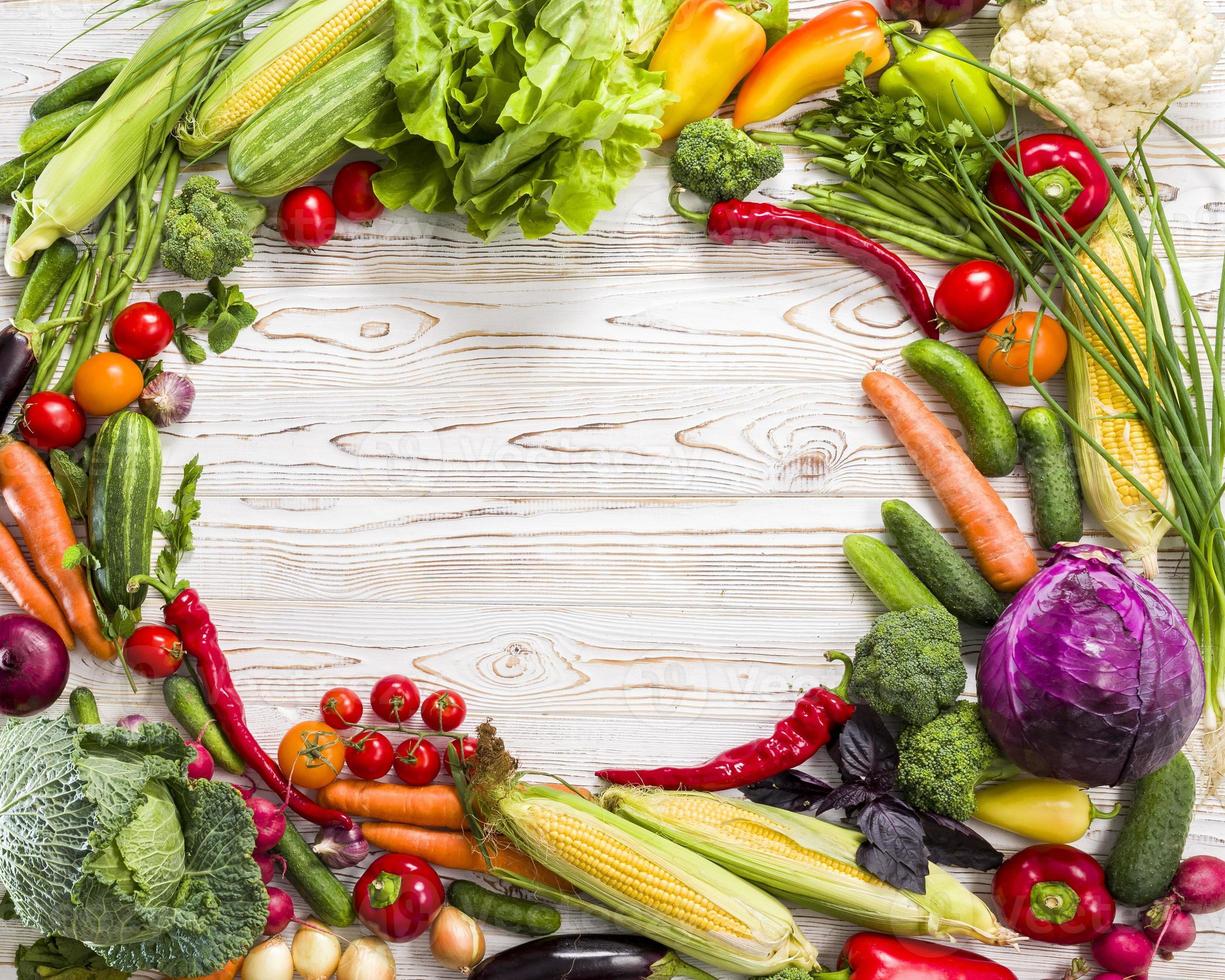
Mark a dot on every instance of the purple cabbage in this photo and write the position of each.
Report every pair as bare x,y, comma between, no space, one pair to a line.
936,13
1091,674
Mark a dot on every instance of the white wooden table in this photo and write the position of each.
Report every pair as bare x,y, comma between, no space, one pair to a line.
597,484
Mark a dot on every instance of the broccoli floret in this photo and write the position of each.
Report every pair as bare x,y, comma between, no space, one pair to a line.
208,232
909,665
719,162
940,764
791,973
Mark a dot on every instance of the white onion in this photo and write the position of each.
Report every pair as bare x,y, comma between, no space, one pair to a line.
366,959
270,960
316,952
456,940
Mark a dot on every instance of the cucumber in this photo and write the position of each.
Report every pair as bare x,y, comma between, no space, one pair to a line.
186,703
83,707
302,132
18,223
54,266
53,127
991,436
125,474
1050,468
885,573
953,581
321,889
503,911
86,84
1150,847
22,171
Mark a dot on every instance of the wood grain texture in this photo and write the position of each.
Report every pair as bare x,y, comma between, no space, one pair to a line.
596,483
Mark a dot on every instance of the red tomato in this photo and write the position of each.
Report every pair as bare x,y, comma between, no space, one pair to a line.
153,651
142,331
417,762
341,707
369,757
398,896
353,191
107,382
50,420
975,294
443,711
395,699
465,748
307,217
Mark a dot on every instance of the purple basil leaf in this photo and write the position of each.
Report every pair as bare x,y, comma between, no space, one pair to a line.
952,842
865,750
896,854
790,790
877,861
846,797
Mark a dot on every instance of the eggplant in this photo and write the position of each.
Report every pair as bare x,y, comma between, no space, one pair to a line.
936,13
16,366
587,957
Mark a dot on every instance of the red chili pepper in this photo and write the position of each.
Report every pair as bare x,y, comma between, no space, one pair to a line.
796,738
189,616
871,956
1060,168
733,221
1054,893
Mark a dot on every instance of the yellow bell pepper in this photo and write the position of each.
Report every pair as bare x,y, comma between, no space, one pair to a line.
708,48
1046,810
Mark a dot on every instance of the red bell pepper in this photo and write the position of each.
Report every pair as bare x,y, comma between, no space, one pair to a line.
1063,170
1055,893
871,956
398,896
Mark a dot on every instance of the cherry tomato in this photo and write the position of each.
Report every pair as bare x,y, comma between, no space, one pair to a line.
142,331
307,217
398,896
311,754
417,762
341,707
153,651
975,294
395,699
369,757
107,382
1004,351
443,711
353,191
465,748
50,420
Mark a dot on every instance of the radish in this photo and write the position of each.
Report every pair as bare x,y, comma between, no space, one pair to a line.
201,767
280,912
1199,884
1125,950
269,864
269,823
132,721
1168,926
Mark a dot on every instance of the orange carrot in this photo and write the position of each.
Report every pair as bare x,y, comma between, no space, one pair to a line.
460,852
989,529
27,589
436,805
227,972
36,505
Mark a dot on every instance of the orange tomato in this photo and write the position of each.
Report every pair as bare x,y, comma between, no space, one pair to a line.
1004,351
107,382
311,754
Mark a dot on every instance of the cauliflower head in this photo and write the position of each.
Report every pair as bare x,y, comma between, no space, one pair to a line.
1112,65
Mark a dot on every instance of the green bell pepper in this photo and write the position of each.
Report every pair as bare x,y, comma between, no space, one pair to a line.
951,89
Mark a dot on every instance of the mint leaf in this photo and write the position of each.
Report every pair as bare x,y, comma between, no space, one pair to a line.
192,352
172,302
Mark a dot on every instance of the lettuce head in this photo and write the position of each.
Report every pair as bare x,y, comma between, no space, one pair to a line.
104,840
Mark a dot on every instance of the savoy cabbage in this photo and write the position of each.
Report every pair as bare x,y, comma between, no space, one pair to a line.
104,839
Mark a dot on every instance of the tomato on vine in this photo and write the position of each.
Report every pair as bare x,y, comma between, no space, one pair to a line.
341,707
395,699
464,749
369,756
443,711
417,762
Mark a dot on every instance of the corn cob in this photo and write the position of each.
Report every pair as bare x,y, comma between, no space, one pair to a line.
1098,405
296,43
807,862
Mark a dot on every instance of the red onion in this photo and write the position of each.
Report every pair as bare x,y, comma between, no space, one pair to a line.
936,13
201,767
280,912
33,665
132,721
341,848
168,398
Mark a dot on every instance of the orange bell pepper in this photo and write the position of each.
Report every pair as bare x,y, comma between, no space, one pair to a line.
708,48
813,58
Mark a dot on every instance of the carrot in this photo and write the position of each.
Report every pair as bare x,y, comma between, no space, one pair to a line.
36,504
436,805
457,851
227,972
986,524
27,589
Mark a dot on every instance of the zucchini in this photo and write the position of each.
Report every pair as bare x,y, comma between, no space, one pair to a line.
886,574
1150,846
952,580
83,707
125,474
321,889
53,127
186,703
54,266
503,911
302,131
991,436
86,84
1050,468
